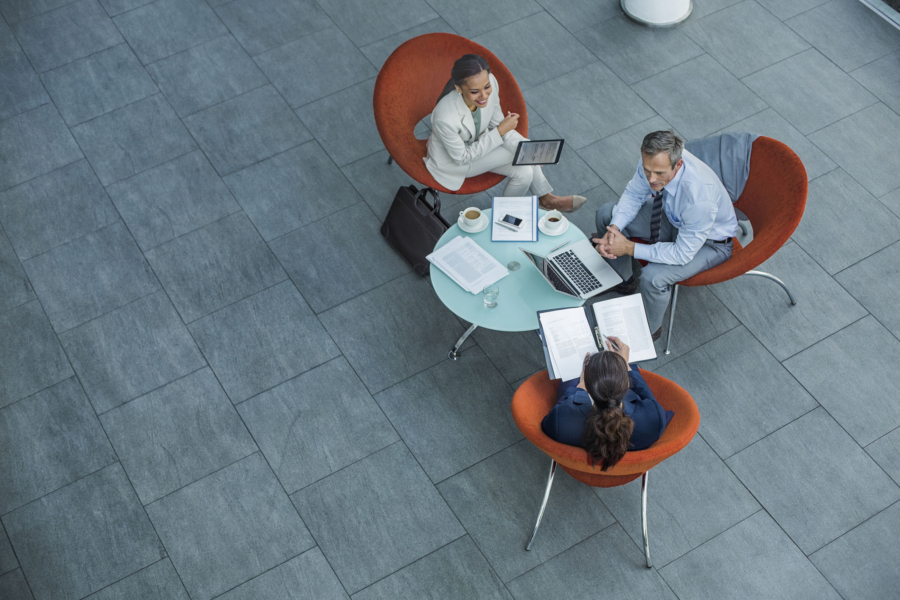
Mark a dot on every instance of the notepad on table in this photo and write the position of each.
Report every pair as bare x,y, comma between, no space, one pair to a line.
468,264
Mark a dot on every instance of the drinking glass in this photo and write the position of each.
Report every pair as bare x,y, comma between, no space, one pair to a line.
491,294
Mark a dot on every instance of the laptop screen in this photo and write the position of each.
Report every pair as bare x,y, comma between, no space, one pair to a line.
546,268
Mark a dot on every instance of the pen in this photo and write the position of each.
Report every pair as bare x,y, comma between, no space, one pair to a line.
607,342
558,247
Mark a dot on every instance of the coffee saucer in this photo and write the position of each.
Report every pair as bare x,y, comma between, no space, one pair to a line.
542,225
481,226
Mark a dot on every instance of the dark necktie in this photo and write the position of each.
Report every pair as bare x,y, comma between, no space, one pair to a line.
656,217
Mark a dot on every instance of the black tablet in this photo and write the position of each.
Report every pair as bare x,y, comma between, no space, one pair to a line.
538,152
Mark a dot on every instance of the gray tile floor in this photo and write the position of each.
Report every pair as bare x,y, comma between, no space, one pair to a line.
192,405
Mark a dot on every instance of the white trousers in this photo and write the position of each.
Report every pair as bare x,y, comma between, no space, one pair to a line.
521,178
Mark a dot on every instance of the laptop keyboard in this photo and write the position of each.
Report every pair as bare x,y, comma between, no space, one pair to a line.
576,271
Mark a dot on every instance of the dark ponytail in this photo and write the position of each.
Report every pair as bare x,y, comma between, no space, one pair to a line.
465,67
607,429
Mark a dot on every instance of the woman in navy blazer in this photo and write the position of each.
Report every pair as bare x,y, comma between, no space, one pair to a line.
608,411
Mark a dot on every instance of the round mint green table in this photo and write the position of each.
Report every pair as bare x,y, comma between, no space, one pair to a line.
522,292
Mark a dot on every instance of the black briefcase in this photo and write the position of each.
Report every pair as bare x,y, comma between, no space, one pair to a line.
413,226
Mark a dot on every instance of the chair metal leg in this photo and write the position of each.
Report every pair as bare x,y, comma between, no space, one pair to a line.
672,317
776,280
390,159
644,519
543,505
454,353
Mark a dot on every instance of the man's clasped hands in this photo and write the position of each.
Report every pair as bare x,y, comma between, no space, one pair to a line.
614,244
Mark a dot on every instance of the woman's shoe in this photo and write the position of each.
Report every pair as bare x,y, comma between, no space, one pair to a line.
561,203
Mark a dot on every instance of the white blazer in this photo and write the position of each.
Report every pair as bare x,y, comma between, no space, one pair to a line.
452,146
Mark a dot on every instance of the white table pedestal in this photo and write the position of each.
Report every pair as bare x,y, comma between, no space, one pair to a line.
658,13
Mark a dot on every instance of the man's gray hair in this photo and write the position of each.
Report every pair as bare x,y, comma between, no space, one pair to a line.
663,141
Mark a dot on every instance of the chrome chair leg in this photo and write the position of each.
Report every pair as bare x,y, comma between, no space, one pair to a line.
672,317
543,505
454,353
776,280
644,519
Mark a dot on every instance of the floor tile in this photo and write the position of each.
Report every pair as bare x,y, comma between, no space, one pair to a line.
172,199
616,157
49,440
741,391
307,577
754,559
785,9
836,204
262,341
575,15
8,43
514,354
769,123
164,27
344,123
291,189
261,25
634,51
474,17
131,351
15,289
707,7
874,283
8,560
347,242
620,572
306,439
246,129
745,38
692,497
132,139
206,75
90,276
376,516
62,205
585,217
452,415
365,22
458,570
699,97
497,501
892,201
34,143
22,89
159,581
98,84
536,49
14,587
809,91
243,514
835,372
886,452
84,536
19,10
68,33
315,66
847,32
31,358
406,330
822,308
215,266
177,434
856,141
115,7
378,52
597,104
882,78
839,484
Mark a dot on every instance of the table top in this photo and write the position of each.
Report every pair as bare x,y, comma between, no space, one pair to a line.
522,292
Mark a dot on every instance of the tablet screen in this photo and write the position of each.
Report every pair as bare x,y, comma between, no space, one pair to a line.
538,152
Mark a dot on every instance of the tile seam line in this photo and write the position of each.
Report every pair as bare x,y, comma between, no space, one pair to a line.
199,479
147,393
308,223
430,4
11,25
878,438
6,515
377,68
144,568
272,568
322,8
858,525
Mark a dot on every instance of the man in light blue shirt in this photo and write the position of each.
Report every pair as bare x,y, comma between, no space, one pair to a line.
679,205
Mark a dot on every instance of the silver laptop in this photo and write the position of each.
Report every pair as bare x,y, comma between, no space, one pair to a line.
575,270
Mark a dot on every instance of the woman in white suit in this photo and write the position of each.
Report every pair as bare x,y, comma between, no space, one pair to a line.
470,136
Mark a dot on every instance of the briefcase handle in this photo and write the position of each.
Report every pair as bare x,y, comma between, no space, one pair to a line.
420,197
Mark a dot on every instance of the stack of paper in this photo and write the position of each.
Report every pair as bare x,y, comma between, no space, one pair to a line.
524,208
569,340
468,264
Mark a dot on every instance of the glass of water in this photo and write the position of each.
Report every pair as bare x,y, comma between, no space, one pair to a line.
491,293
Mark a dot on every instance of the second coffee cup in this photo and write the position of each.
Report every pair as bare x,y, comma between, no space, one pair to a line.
471,216
553,220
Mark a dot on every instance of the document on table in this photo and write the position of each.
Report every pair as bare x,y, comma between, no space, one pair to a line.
468,264
626,319
569,339
525,208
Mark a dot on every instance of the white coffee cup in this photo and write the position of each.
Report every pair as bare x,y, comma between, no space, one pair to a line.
553,220
471,216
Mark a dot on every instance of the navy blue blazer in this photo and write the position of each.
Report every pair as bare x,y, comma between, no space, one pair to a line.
565,423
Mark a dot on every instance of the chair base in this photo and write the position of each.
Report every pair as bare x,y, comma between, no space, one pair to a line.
454,352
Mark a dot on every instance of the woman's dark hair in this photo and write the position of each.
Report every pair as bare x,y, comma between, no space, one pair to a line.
607,429
466,66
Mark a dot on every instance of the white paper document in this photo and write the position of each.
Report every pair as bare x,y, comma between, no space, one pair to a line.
569,339
468,264
626,319
524,208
